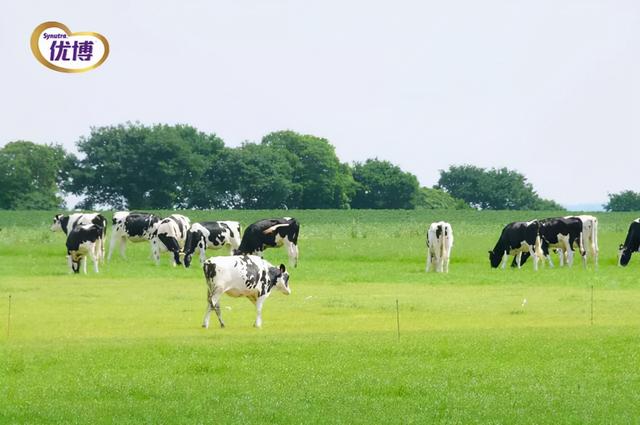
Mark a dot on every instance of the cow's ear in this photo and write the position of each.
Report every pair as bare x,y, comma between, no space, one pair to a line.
283,268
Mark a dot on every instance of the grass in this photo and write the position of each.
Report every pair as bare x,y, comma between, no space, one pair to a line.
125,346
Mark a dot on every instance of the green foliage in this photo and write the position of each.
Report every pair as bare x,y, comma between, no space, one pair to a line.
382,185
319,179
492,189
135,166
29,174
437,199
627,200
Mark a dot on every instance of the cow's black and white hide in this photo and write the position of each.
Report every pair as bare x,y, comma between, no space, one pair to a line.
517,238
133,227
210,234
589,236
439,244
242,276
273,232
170,236
563,234
66,223
82,241
631,243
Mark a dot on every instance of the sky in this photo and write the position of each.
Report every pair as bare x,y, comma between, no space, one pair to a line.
549,88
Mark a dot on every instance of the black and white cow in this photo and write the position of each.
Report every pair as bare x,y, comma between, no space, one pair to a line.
132,226
82,241
631,243
563,234
439,243
210,234
273,232
66,223
170,235
517,238
242,276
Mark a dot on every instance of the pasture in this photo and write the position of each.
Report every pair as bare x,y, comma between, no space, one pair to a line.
126,346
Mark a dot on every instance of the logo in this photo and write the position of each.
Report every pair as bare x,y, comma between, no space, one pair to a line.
57,48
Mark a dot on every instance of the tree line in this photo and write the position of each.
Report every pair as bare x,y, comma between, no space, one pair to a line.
162,166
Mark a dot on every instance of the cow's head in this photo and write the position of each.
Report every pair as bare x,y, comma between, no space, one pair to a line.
624,255
194,240
57,223
494,259
280,277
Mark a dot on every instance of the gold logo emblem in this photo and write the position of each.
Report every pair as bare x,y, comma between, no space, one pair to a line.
57,48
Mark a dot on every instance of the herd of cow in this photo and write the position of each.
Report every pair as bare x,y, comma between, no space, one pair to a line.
246,273
243,274
524,239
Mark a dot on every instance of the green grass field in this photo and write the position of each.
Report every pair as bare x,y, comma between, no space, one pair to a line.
126,346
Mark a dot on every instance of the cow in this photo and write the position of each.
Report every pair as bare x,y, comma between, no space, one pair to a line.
66,223
170,235
132,226
631,243
242,276
516,238
563,234
210,234
82,241
273,232
439,243
589,235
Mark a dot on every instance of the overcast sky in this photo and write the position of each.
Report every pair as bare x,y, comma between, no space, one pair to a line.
550,88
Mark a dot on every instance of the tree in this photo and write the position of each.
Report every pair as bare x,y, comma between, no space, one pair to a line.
29,174
383,185
437,199
626,200
319,179
493,189
134,166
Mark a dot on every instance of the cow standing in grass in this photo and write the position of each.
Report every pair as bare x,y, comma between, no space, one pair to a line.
439,243
562,234
589,235
210,234
273,232
242,276
631,243
66,223
133,227
82,241
516,238
170,235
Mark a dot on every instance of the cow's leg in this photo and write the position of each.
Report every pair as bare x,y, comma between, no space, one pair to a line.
446,263
505,257
95,256
112,245
550,260
532,252
83,260
155,251
213,303
519,259
70,264
203,254
259,302
428,261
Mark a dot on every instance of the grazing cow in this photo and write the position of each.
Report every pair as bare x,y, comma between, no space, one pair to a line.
83,240
132,226
271,233
170,236
631,243
439,243
242,276
562,234
516,238
210,234
589,235
66,223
